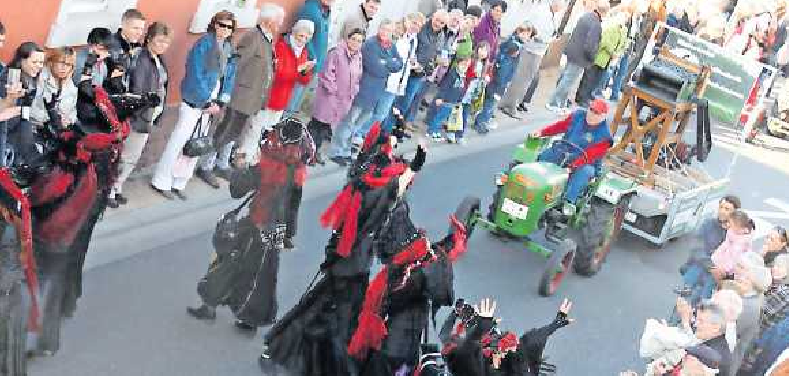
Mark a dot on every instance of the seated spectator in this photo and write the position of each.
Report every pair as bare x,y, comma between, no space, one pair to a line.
379,60
56,92
337,86
99,44
205,89
293,66
148,75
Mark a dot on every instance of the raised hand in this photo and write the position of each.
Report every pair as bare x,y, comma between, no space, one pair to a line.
486,308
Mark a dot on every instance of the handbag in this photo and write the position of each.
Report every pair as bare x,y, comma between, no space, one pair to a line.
198,145
229,228
455,122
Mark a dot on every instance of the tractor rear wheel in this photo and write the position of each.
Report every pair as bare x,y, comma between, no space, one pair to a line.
603,224
557,267
467,213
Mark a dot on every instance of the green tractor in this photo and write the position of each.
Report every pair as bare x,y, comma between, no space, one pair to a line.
529,204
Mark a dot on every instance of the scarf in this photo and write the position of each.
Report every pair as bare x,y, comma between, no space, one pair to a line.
294,46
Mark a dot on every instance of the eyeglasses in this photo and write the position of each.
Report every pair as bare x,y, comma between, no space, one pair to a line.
65,64
225,26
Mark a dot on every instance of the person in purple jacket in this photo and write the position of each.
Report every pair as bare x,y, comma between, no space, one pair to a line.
338,84
489,28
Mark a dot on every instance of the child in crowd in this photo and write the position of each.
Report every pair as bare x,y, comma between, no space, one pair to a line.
737,242
701,279
506,64
450,94
477,78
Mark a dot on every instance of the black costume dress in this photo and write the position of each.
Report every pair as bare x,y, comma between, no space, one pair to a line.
312,338
68,200
417,277
244,277
469,354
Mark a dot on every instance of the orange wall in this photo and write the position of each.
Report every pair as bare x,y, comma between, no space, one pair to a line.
22,25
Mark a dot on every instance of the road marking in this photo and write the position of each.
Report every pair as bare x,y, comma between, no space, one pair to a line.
763,226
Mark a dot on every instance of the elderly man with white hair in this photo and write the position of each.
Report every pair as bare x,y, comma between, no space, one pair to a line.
293,67
254,76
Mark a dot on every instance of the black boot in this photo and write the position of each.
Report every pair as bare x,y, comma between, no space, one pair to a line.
244,325
204,312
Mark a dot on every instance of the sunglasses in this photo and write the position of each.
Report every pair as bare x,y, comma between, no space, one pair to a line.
225,26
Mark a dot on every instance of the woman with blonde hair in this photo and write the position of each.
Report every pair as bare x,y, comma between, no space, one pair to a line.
55,88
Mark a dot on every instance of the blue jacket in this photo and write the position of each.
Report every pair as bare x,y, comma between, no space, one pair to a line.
202,71
377,64
506,64
319,45
452,87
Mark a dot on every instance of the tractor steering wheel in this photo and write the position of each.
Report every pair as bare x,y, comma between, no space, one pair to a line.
576,147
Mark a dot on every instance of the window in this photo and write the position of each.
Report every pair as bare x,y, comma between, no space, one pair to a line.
245,11
77,17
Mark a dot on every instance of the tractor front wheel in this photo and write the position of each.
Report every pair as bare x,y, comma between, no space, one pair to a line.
603,224
557,267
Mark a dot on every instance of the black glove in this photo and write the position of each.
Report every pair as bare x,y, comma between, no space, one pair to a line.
152,99
561,319
55,120
419,159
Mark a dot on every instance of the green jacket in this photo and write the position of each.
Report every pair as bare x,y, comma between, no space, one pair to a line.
613,42
465,46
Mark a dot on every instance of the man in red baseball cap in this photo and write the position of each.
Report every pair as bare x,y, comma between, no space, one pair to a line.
587,139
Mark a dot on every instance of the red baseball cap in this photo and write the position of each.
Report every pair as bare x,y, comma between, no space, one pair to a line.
599,106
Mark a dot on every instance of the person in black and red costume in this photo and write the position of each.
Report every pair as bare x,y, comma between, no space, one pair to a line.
474,347
416,278
244,274
67,200
590,136
312,338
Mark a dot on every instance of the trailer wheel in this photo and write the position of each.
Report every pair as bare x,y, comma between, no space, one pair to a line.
467,213
603,224
557,267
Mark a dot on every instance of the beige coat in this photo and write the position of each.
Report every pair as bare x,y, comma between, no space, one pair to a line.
254,74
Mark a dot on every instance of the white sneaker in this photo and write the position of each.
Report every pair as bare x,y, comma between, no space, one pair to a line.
551,108
462,141
451,138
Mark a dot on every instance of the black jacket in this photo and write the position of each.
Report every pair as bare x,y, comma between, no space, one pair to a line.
427,48
585,40
720,345
144,78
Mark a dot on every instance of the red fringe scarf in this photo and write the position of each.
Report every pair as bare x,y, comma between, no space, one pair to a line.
343,213
24,228
274,163
371,329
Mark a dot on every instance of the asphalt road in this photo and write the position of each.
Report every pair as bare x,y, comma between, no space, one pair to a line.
131,320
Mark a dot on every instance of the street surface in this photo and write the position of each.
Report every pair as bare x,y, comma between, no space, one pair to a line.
145,264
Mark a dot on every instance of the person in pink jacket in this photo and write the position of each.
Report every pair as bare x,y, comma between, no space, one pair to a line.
738,242
338,84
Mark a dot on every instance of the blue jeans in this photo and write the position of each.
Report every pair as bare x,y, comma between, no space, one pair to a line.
341,139
440,115
579,178
381,112
619,77
484,116
404,103
569,77
603,83
701,282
